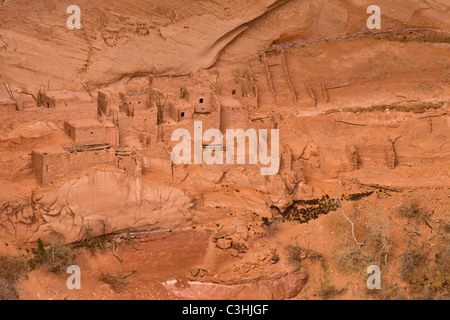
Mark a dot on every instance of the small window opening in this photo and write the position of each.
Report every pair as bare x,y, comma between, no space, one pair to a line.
233,92
182,114
201,100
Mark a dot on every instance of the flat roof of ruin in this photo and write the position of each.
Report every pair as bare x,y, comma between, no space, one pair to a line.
51,149
199,89
7,101
133,93
89,123
182,103
229,101
58,94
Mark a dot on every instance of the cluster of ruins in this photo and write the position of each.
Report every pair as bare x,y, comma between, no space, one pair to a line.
128,127
113,130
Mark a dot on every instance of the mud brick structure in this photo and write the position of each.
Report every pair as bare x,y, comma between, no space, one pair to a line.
62,99
357,164
200,98
144,119
7,107
104,104
230,87
128,161
53,163
181,111
134,101
57,99
19,101
233,113
91,131
25,102
209,113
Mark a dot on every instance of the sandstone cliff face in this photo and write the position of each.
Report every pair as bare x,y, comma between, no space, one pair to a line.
161,36
275,287
104,202
96,204
363,116
120,39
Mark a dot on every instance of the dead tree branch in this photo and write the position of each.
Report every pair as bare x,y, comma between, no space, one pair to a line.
124,276
114,252
351,222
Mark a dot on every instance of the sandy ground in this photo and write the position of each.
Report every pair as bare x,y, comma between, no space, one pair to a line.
164,262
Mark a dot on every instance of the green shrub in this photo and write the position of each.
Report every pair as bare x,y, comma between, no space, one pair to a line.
56,257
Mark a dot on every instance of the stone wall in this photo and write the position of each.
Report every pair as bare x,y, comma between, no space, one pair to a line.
52,166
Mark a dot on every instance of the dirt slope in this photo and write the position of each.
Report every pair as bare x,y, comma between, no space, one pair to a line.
364,176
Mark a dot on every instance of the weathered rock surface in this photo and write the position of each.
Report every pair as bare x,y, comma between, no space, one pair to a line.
97,204
277,287
120,39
